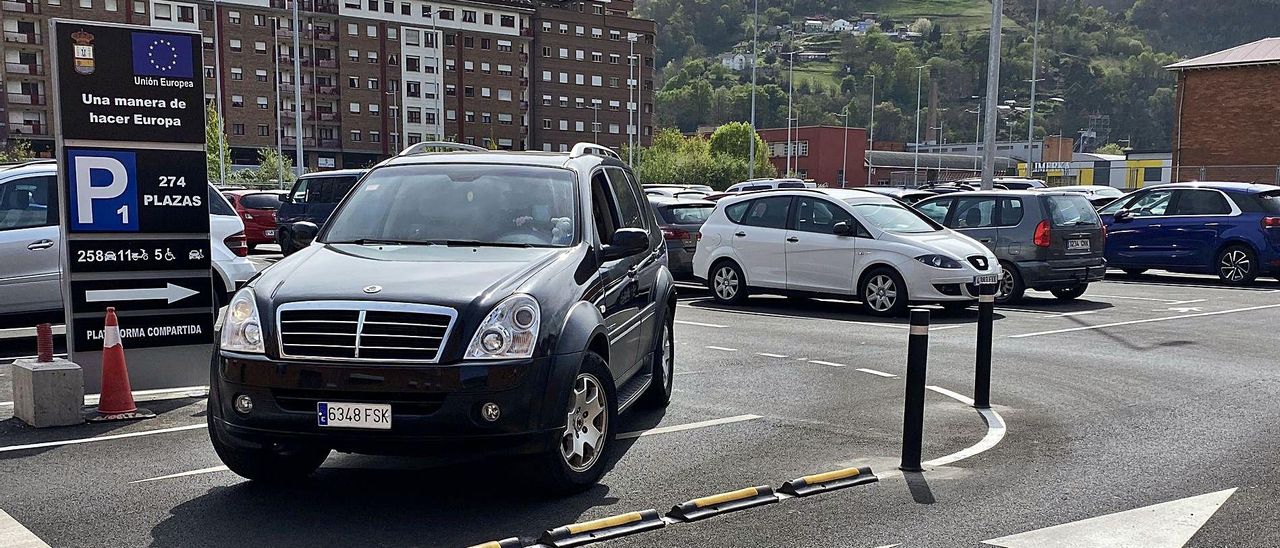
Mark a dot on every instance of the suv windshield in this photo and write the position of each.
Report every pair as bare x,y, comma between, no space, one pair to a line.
462,204
891,217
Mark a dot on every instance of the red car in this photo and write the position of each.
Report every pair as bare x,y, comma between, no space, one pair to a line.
258,210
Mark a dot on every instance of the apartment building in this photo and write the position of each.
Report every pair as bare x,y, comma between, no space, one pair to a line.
375,75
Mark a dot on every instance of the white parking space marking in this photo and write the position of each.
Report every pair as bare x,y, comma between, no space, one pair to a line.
1148,320
622,436
877,373
768,355
14,535
683,427
803,317
721,348
185,474
146,395
1166,301
1070,314
700,324
101,438
996,430
830,364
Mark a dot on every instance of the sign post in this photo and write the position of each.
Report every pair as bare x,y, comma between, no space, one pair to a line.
134,198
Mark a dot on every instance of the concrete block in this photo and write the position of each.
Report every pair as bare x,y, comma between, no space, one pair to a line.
48,394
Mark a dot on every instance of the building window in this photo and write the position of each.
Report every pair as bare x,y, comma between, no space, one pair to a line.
237,101
259,20
375,137
579,102
564,53
449,65
564,78
614,129
353,82
614,58
413,89
415,116
468,42
597,33
355,108
486,118
412,37
208,72
615,105
451,114
546,76
373,84
468,16
237,129
597,80
353,29
579,79
111,5
373,109
261,75
508,21
615,35
391,32
446,14
356,136
468,91
564,125
546,123
264,130
485,68
546,100
488,18
468,66
579,126
259,47
613,82
564,29
485,43
406,9
373,57
579,31
546,26
263,104
233,17
486,93
597,57
237,73
451,90
564,102
469,116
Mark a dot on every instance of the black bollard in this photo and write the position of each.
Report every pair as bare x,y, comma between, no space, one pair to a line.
913,407
982,370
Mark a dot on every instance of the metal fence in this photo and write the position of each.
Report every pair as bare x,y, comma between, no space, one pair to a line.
1244,174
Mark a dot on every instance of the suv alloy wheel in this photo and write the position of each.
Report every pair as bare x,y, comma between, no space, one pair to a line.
884,293
1237,265
584,447
728,285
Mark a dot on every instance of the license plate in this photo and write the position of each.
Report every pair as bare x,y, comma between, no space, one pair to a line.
1077,245
270,233
372,416
984,279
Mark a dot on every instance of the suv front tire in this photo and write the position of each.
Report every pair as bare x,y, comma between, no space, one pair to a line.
592,413
728,285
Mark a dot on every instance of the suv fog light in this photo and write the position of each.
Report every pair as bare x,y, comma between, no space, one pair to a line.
244,404
490,412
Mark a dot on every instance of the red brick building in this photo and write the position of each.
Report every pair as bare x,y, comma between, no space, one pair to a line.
819,153
1225,115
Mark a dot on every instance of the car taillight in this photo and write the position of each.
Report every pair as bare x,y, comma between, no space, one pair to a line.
1041,238
1271,222
674,234
699,235
238,244
1104,232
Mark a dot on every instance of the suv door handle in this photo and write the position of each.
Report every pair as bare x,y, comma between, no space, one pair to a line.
985,240
793,239
1154,226
40,244
740,234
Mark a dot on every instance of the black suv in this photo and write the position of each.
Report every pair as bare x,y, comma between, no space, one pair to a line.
458,301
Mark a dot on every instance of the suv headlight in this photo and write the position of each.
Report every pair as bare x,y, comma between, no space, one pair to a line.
939,261
241,328
510,331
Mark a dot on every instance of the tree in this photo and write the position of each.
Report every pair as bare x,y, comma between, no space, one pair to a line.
734,140
217,153
18,151
1110,148
272,165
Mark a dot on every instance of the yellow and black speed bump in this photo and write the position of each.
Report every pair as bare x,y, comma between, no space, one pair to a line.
821,483
586,532
713,505
504,543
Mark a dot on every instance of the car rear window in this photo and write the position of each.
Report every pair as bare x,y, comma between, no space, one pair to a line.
218,203
264,200
687,214
1264,202
1071,211
790,185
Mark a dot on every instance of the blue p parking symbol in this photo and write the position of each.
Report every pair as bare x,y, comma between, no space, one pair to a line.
104,190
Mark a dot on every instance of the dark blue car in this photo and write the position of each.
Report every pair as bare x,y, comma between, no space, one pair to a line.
313,198
1228,229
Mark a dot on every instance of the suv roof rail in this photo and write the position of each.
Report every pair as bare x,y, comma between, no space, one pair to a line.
583,149
28,163
427,146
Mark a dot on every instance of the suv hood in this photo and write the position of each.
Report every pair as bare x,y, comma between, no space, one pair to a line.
439,275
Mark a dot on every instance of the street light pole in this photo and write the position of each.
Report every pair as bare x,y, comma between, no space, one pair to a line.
755,36
1035,61
595,123
275,45
300,167
222,122
844,162
915,173
871,129
993,93
790,93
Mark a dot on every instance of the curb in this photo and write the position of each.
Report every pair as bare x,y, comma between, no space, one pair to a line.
512,542
828,481
714,505
587,532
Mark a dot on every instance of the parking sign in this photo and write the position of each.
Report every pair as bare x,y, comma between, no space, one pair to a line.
104,190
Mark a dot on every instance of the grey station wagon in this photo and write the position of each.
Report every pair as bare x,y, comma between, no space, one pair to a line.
1045,240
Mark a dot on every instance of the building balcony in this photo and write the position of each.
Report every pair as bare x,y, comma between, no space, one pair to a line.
23,38
307,5
524,106
34,99
20,6
323,116
293,141
327,64
330,143
327,90
327,36
526,32
29,129
31,69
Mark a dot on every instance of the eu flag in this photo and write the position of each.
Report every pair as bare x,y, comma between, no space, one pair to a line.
162,55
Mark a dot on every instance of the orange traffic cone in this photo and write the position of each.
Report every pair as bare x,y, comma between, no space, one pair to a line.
115,402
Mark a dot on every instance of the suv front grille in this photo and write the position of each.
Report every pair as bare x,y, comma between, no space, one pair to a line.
979,262
363,331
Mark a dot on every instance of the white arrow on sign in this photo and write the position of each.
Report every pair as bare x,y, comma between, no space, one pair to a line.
1165,525
170,293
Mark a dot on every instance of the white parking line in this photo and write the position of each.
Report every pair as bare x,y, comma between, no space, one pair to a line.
700,324
768,355
621,436
721,348
876,373
683,427
14,535
100,438
831,364
995,431
1169,301
146,395
1148,320
1070,314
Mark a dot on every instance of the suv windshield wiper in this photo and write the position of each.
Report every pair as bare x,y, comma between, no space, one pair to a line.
379,241
478,243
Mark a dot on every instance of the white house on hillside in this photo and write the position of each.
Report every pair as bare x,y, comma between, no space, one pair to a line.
736,61
842,25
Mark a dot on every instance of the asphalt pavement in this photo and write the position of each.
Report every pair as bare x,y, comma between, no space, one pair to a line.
1151,395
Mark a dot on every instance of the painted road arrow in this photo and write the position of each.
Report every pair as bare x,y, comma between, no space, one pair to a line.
170,292
1165,525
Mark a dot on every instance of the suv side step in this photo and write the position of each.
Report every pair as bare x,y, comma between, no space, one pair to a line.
629,393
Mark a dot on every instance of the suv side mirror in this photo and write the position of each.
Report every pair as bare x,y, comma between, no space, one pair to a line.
626,242
842,228
1123,216
304,232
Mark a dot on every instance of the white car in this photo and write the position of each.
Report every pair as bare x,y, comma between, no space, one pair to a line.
30,245
850,244
769,184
